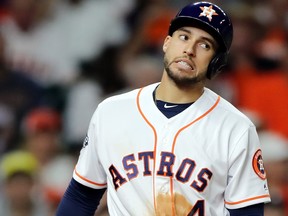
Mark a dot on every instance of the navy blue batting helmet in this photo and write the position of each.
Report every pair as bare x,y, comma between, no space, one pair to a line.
212,19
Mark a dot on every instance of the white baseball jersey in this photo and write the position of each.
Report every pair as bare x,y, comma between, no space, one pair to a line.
199,162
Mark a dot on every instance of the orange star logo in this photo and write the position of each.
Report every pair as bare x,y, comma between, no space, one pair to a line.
208,12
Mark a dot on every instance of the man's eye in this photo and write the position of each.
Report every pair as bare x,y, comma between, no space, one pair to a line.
205,45
183,37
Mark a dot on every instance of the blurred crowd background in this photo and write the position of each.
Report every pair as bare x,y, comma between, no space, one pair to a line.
60,58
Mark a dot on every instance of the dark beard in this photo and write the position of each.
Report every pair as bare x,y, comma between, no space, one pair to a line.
182,81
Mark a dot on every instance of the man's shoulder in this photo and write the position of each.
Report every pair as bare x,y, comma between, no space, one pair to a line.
226,108
124,94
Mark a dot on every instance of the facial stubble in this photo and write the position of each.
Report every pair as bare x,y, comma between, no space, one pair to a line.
182,80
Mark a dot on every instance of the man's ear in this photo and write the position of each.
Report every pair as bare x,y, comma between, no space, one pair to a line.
166,43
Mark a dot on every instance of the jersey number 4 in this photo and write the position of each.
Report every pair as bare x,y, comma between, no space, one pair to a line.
197,208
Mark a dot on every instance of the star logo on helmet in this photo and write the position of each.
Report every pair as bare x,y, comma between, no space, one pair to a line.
208,12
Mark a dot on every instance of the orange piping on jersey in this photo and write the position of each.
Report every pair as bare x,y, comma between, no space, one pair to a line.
87,180
197,119
175,138
246,200
155,143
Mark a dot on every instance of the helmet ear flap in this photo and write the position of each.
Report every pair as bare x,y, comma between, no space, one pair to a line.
217,64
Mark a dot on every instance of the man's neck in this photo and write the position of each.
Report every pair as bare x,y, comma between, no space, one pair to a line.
175,94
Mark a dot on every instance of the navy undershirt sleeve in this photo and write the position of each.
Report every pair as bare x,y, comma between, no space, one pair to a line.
253,210
79,200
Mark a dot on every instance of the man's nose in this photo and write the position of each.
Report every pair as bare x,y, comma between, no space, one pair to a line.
190,49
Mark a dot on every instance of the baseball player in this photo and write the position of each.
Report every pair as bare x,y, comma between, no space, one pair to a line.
175,147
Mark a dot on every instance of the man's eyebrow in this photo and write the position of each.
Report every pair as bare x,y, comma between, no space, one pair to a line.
185,30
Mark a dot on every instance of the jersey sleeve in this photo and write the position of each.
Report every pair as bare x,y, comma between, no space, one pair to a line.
247,183
88,170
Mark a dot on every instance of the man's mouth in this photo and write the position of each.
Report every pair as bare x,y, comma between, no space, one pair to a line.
185,65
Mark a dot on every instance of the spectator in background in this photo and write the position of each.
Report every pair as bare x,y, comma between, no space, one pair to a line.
19,185
26,39
42,130
41,133
49,47
18,92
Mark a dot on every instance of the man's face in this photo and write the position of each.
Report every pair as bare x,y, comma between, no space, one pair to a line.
188,53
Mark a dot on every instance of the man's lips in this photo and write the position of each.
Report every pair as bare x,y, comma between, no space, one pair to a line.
185,64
